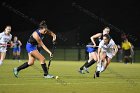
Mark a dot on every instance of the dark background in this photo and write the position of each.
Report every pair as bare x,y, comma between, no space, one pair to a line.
72,26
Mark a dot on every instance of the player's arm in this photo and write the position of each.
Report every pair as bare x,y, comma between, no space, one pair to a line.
92,38
114,46
20,44
115,49
99,50
11,44
52,34
39,41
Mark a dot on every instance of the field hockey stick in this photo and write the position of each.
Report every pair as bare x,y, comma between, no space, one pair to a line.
95,71
53,48
91,46
98,69
5,44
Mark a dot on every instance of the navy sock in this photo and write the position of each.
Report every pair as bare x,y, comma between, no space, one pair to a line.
23,66
90,63
81,68
45,69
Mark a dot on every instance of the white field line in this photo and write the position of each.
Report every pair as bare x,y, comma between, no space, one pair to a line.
66,83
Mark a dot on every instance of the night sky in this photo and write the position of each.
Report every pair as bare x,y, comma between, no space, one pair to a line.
72,25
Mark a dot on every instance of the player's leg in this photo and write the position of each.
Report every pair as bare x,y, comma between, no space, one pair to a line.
82,67
109,56
108,62
126,56
14,54
91,61
2,57
18,54
103,61
24,65
41,58
86,63
99,64
131,59
129,56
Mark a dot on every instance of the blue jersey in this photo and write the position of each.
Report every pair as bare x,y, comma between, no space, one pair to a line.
16,44
32,43
90,48
32,40
16,47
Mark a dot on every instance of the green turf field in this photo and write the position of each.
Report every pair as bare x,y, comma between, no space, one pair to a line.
118,78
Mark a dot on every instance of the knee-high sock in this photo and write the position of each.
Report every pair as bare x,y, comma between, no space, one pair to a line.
81,68
102,68
98,68
23,66
90,63
45,69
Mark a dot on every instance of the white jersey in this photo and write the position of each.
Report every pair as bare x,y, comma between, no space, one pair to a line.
107,48
4,39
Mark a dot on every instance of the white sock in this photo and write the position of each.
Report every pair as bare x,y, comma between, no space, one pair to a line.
1,62
102,68
99,66
85,68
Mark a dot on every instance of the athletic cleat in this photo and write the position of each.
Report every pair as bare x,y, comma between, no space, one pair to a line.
81,72
97,73
86,69
15,72
49,76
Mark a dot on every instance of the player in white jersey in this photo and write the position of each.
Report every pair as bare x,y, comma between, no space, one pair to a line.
91,48
5,37
106,51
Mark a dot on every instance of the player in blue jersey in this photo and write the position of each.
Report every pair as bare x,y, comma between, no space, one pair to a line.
31,47
16,48
91,48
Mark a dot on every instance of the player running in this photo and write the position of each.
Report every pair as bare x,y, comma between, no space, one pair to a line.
31,47
91,48
5,38
16,48
106,51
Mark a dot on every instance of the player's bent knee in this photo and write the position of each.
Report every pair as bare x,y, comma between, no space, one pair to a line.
30,63
42,60
95,60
